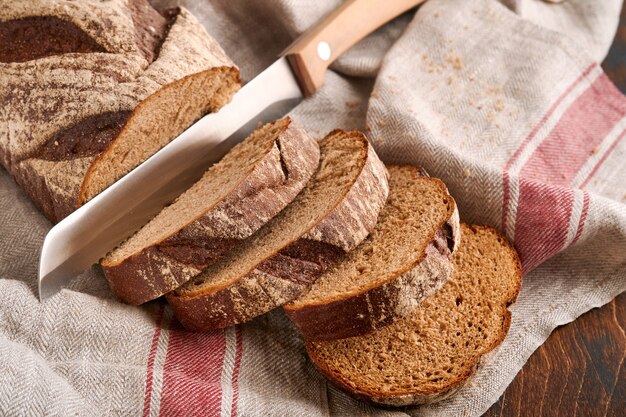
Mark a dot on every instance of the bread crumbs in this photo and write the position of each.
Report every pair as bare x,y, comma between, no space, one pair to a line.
456,61
467,173
595,150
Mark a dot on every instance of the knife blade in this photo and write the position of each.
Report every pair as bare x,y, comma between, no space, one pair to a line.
82,238
86,235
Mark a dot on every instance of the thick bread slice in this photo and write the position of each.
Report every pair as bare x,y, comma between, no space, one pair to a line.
405,259
332,215
428,355
234,198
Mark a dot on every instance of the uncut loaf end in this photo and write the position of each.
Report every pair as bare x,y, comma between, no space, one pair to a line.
92,89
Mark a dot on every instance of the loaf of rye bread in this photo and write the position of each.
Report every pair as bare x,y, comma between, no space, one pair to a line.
235,197
90,89
405,259
429,354
337,209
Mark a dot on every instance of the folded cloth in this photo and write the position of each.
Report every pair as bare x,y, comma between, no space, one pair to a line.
507,105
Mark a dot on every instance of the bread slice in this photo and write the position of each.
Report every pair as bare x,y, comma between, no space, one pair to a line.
331,216
405,259
90,89
429,354
234,198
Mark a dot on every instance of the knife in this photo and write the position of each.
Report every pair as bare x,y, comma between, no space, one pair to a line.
86,235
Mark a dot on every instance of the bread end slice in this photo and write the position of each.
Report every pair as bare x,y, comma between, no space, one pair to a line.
201,79
428,355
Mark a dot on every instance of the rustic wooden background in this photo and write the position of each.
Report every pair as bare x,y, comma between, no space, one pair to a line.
580,370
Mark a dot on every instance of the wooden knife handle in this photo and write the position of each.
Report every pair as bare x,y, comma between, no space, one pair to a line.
312,53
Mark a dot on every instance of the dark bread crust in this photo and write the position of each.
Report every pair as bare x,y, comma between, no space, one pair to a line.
275,281
433,394
380,305
94,42
37,37
289,272
86,138
268,186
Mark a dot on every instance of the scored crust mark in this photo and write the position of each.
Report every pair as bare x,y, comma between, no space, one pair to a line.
428,355
406,258
151,28
38,37
283,164
88,137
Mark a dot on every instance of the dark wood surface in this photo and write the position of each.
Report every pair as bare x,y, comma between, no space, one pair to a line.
580,370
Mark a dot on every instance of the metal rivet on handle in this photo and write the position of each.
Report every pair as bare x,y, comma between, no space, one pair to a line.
323,51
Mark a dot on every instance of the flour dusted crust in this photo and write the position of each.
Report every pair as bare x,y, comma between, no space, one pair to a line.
135,57
270,185
352,220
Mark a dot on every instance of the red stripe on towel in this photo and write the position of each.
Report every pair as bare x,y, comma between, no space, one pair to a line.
235,378
545,200
547,116
581,128
191,373
505,174
542,223
151,356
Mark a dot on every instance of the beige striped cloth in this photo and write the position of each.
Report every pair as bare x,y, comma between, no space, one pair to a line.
503,101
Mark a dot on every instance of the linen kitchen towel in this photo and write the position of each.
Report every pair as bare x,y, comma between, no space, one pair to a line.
505,102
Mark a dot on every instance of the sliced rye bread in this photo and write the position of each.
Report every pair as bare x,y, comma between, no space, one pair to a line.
405,259
331,216
428,355
233,199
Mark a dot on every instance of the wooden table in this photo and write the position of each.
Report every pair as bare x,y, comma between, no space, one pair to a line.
580,370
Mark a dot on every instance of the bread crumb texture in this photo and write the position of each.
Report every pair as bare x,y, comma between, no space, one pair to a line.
426,356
